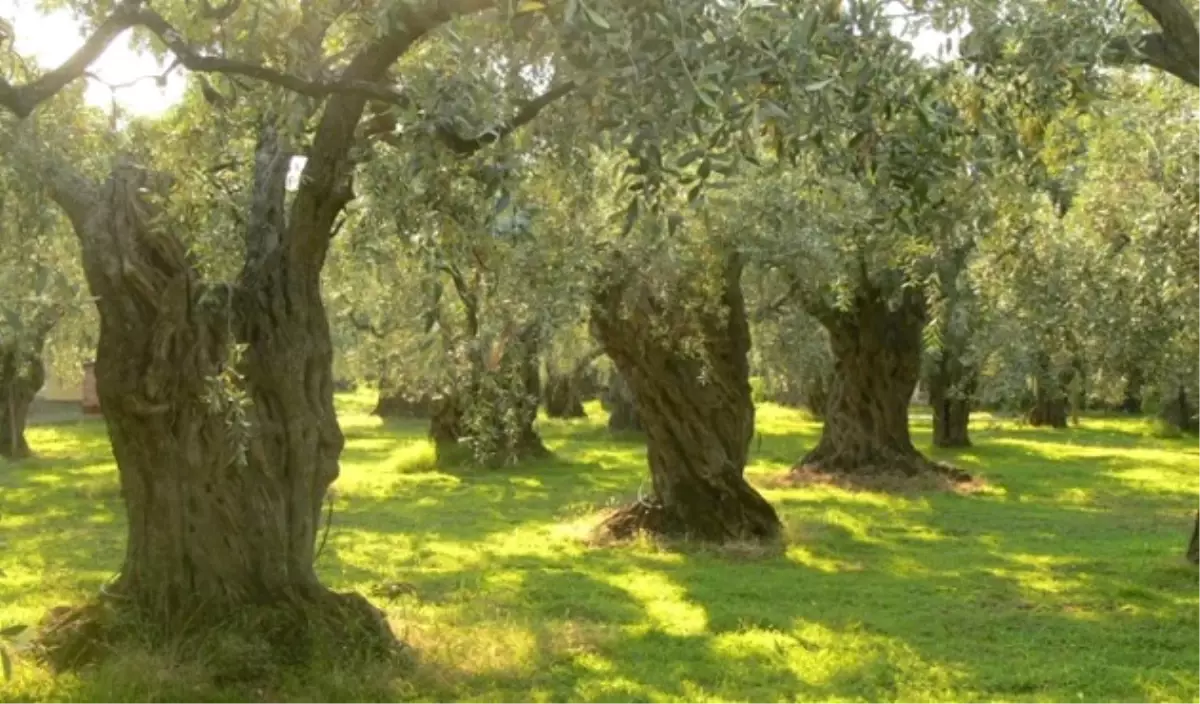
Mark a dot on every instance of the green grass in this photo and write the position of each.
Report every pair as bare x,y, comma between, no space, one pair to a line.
1062,581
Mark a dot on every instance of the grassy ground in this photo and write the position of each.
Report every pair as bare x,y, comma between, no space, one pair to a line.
1063,581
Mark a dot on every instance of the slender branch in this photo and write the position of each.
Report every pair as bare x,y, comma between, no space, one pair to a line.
23,99
467,296
363,324
71,189
782,300
527,112
382,125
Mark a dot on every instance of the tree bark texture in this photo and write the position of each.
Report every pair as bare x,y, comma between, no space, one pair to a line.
21,375
1050,401
698,415
621,404
877,361
219,398
224,459
951,387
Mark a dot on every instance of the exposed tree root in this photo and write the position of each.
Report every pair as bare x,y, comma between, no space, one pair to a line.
243,645
632,520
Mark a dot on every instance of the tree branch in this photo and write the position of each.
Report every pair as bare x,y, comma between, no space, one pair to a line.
325,185
1176,49
381,125
22,100
527,112
363,324
75,193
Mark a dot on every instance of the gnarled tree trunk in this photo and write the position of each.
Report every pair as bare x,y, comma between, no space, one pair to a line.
621,404
877,360
224,460
816,392
699,417
21,375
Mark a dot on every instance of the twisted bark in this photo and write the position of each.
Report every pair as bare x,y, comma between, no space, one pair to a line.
877,358
698,415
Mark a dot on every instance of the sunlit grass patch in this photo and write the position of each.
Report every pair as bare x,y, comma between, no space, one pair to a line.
1063,582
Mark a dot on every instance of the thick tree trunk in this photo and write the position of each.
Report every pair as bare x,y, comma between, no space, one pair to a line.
699,416
21,375
816,393
1050,400
622,407
951,386
446,424
224,460
877,359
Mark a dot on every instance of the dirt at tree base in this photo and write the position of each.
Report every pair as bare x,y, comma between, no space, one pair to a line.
919,475
244,646
650,518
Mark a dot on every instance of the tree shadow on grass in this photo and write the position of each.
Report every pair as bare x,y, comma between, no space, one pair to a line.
1060,585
